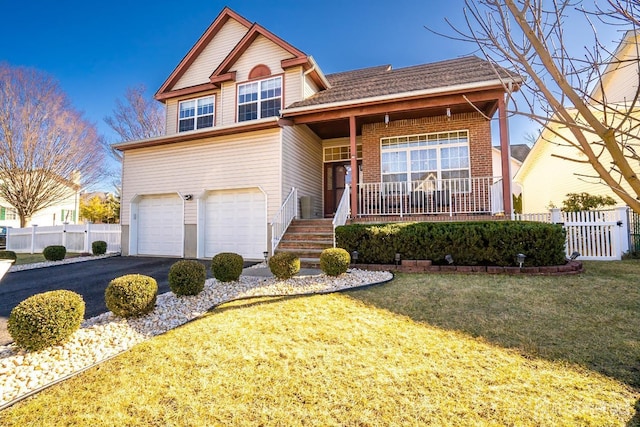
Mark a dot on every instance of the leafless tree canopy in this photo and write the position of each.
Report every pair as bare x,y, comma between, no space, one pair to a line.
136,117
532,38
47,149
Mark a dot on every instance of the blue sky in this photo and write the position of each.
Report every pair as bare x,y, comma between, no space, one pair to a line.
98,49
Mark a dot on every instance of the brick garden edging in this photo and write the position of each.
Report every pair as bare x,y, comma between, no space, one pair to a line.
425,266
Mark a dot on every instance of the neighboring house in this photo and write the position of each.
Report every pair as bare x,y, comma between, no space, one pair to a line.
249,117
64,211
545,176
519,152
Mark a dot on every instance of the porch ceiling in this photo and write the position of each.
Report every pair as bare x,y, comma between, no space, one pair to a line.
330,126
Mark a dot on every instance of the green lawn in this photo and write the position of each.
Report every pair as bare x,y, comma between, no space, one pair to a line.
33,258
420,350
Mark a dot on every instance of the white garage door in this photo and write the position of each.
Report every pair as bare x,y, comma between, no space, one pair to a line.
236,221
160,225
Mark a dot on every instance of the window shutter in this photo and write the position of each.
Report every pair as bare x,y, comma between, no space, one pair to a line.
3,212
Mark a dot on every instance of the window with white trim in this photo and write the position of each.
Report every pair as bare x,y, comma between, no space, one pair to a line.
433,156
259,99
196,114
8,213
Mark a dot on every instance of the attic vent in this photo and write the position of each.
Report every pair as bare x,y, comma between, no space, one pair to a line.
259,71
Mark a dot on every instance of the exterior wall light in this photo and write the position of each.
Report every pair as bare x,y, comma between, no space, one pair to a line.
188,196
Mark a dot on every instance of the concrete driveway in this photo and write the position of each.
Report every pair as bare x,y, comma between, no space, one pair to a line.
89,279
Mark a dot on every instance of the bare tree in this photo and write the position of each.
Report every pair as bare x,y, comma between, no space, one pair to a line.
47,149
529,37
136,117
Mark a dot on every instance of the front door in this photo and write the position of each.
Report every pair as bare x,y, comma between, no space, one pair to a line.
336,177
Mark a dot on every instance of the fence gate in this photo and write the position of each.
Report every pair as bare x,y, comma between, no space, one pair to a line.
634,231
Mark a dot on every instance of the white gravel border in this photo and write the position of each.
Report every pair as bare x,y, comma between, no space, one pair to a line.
23,373
64,261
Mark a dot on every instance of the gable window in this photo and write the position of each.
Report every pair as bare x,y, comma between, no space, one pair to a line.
435,156
196,114
257,100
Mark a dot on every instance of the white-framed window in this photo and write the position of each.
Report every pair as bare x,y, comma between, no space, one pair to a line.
8,213
259,99
432,156
196,113
341,153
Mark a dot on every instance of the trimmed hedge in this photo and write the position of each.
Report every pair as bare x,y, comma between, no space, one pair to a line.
334,261
284,265
187,277
99,247
54,253
469,243
227,266
8,255
131,295
46,319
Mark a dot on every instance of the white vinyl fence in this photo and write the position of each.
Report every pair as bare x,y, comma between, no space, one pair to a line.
76,238
596,235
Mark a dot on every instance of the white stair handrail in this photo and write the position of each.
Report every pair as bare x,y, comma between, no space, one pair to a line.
343,212
288,211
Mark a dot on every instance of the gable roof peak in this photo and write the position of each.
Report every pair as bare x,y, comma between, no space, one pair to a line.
225,15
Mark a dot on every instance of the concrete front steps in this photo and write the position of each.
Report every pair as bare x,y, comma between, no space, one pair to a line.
307,238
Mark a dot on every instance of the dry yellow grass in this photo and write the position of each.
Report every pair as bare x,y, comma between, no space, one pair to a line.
326,360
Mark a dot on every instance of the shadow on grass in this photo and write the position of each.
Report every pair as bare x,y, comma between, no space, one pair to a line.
590,320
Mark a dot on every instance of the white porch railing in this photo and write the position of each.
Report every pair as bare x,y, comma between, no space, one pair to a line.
343,211
432,196
288,211
596,235
76,238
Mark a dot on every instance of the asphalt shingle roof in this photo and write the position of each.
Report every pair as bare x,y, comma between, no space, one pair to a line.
383,80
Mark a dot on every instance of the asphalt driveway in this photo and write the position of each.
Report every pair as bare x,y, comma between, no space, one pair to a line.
88,279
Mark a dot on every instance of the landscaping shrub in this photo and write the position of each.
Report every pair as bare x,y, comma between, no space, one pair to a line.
131,295
8,255
99,247
46,319
187,277
284,265
469,243
334,261
227,266
54,253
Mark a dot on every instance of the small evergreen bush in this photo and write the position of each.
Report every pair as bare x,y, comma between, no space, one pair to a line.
8,255
187,277
54,253
334,261
99,247
284,265
227,266
46,319
131,295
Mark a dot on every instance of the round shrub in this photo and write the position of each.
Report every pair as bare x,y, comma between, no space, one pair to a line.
187,277
131,295
227,266
99,247
8,255
334,261
46,319
54,253
284,265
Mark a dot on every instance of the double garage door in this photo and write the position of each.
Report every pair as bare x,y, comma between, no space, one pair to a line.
232,221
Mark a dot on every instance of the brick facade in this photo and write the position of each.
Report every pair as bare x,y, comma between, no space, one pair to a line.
479,140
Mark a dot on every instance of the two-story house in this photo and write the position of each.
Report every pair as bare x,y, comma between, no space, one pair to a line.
250,116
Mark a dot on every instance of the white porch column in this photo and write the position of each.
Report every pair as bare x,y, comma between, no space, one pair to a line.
354,167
